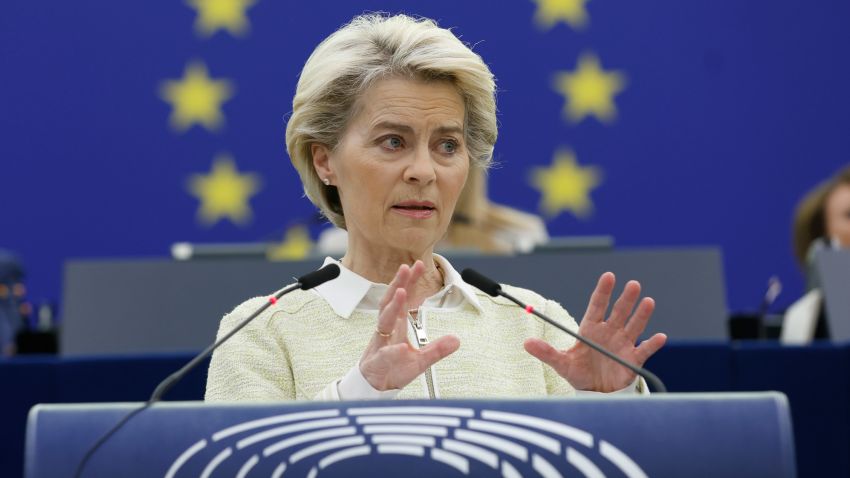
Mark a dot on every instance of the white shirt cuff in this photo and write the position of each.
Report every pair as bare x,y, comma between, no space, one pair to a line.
354,386
638,387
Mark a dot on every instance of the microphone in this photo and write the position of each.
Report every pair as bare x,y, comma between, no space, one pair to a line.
774,288
317,278
305,282
493,288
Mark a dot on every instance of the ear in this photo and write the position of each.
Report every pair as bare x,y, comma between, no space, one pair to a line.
321,161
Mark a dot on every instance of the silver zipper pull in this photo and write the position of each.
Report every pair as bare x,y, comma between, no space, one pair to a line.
419,331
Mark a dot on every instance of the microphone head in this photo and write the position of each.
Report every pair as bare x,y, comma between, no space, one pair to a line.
319,277
487,285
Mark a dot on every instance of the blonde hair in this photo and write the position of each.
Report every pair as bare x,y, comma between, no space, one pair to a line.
369,48
480,224
810,216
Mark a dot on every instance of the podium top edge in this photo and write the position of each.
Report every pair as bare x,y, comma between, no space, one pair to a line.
677,397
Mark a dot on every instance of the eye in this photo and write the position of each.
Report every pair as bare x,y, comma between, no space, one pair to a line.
448,146
392,143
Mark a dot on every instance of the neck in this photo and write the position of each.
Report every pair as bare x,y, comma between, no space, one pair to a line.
380,265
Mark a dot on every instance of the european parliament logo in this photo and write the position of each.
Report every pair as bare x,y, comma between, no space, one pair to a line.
402,440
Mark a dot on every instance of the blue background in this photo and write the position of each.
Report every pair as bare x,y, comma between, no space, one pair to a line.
733,109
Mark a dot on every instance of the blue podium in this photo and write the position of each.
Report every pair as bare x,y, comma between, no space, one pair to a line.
729,435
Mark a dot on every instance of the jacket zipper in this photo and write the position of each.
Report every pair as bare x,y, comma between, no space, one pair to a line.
422,341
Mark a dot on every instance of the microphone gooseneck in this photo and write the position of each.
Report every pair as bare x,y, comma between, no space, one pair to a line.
305,282
492,288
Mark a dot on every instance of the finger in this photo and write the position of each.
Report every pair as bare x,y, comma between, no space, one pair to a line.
417,270
400,280
648,347
599,299
400,325
388,317
437,350
624,305
637,324
544,352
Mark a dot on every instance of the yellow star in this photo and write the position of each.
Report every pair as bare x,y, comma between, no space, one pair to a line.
571,12
224,193
589,90
214,15
296,245
566,185
196,98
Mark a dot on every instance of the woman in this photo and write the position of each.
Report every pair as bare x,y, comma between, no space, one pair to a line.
390,117
822,220
482,225
824,213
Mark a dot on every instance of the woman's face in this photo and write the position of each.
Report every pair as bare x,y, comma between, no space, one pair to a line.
837,214
400,165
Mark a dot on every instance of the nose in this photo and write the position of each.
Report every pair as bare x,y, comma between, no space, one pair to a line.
421,168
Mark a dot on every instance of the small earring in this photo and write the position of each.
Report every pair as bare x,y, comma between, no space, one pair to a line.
327,181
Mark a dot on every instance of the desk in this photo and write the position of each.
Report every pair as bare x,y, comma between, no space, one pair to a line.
729,435
816,380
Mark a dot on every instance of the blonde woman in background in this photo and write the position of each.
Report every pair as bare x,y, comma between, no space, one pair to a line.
483,225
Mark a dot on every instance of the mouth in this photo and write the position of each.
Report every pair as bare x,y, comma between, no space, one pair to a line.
415,209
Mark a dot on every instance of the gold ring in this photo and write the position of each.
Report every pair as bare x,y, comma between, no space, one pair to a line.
386,336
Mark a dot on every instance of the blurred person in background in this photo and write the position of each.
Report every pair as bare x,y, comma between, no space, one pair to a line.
823,218
483,225
821,221
12,291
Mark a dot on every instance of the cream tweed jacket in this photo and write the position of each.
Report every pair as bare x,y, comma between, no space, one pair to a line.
298,346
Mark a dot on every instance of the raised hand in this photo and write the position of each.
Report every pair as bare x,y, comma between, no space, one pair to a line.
587,369
390,360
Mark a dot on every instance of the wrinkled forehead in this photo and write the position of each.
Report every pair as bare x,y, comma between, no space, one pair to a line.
410,103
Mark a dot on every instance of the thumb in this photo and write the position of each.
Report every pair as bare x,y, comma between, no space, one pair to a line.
543,351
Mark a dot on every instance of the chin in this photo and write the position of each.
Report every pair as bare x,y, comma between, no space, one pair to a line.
415,240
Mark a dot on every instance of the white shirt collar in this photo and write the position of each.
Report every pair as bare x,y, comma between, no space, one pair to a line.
351,291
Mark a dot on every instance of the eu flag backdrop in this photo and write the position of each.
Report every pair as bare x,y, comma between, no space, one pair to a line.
128,126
